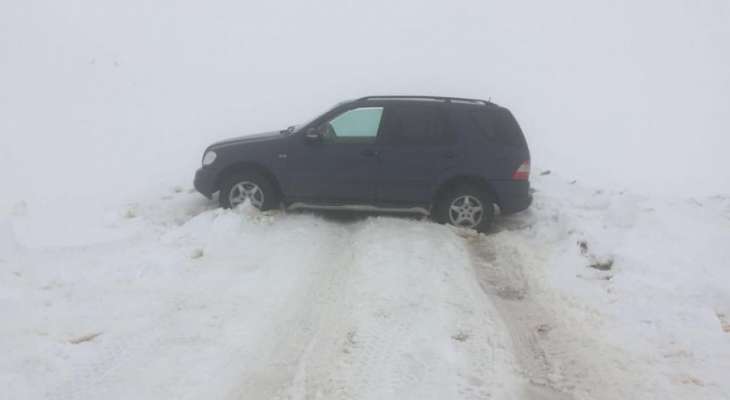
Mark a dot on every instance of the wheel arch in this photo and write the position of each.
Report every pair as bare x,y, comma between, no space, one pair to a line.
247,166
450,183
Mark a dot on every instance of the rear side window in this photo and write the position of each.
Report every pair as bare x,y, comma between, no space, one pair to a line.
417,124
498,126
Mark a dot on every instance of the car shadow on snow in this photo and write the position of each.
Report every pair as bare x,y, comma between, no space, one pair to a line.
514,222
345,216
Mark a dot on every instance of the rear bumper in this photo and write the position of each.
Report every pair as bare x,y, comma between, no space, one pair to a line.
512,196
205,182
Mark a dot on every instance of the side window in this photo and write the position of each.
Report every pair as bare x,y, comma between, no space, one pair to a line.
498,126
484,122
356,125
418,125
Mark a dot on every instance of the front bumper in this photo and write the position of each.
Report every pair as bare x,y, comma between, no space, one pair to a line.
205,182
512,196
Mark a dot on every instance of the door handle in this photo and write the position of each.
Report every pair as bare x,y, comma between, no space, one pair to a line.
369,153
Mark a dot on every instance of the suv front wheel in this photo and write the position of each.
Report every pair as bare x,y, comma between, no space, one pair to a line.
466,206
251,187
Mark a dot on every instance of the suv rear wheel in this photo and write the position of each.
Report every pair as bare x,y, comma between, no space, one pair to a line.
250,186
466,206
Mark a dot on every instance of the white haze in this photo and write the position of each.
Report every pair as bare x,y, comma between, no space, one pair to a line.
113,98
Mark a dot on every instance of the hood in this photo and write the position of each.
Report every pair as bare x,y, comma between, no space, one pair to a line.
259,137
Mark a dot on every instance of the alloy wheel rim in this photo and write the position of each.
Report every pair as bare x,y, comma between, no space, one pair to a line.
246,190
466,211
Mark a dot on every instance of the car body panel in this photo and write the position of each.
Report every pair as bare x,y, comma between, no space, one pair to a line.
410,173
330,171
380,172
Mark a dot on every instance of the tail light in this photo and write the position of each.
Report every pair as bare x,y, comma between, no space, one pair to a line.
523,172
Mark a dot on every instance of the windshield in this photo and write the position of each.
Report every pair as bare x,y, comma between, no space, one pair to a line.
298,127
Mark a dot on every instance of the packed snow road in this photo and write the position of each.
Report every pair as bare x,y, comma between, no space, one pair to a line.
583,297
198,303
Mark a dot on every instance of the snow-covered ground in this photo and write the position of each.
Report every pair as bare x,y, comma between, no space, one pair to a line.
172,298
118,282
654,324
200,303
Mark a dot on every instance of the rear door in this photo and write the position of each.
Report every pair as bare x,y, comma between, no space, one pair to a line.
416,148
499,137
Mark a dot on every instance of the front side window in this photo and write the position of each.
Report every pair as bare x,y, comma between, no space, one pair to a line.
359,124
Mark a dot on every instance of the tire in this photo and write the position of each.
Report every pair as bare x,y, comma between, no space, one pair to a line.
258,190
466,206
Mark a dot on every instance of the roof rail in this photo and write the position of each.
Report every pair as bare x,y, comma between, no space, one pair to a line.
427,98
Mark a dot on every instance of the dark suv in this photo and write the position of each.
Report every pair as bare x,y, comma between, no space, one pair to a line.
452,158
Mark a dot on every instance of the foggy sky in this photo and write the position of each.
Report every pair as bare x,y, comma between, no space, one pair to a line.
623,94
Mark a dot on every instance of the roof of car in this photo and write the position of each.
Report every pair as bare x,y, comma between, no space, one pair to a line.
427,98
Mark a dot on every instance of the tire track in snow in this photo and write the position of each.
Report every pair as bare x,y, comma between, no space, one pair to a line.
267,344
508,288
281,355
381,308
558,357
392,330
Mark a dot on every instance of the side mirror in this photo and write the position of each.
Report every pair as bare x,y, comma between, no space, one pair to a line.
311,135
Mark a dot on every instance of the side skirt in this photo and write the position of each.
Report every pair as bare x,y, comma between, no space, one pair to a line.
357,207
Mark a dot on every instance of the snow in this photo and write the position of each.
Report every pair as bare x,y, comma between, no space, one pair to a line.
654,321
179,299
231,304
118,281
664,298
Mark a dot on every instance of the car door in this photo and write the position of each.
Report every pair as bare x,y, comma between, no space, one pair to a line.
416,149
341,165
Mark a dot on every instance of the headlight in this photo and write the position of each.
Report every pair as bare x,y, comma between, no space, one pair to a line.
209,157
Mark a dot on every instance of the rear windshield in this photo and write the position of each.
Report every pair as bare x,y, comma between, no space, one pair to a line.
498,125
